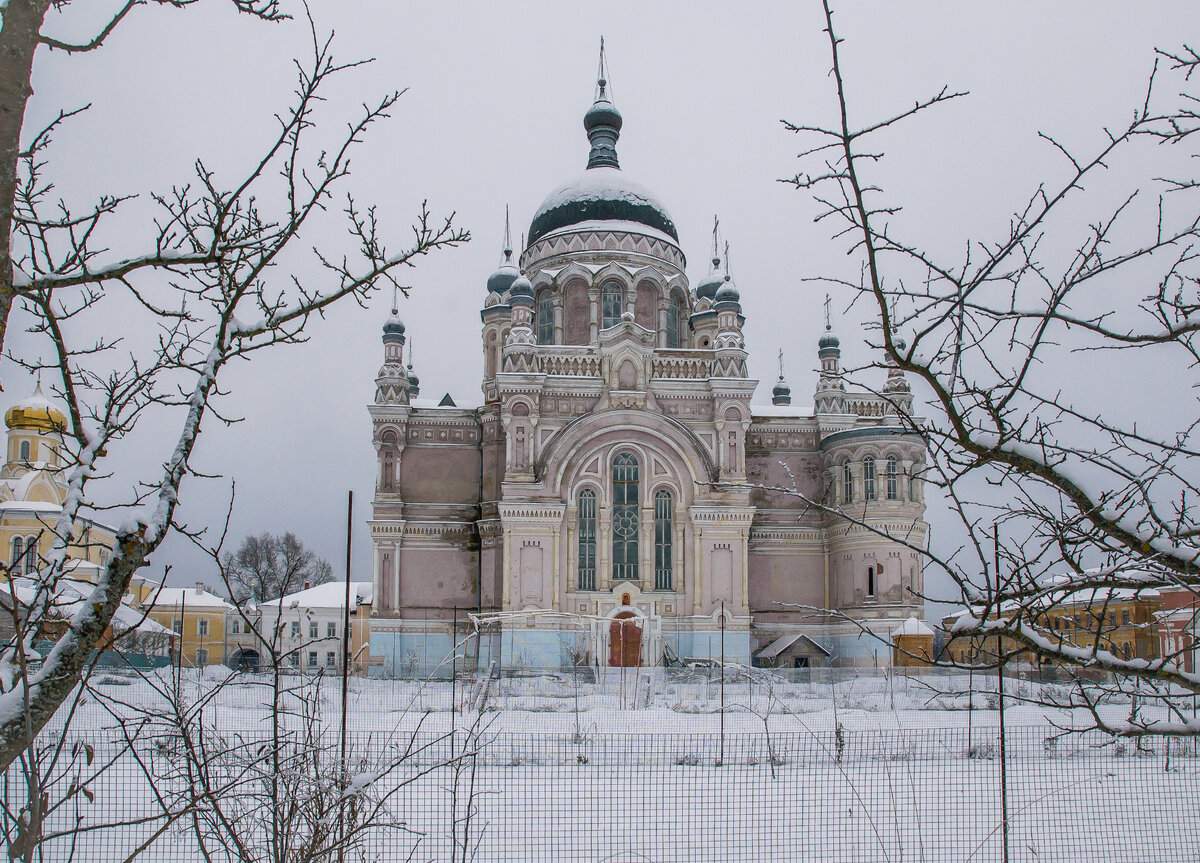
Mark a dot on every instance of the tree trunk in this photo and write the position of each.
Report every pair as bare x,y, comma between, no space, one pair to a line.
18,42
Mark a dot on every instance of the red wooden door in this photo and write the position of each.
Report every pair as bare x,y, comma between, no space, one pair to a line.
624,643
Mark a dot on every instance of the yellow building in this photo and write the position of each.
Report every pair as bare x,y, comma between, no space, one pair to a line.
197,616
32,490
1118,620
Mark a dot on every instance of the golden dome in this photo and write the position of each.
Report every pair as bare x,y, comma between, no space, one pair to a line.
35,413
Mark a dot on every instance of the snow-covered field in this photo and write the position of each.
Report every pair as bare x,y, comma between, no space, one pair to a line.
864,770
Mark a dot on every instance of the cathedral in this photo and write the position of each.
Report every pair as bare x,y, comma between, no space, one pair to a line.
618,498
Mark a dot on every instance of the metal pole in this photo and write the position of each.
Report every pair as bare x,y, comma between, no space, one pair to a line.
1000,699
346,655
722,757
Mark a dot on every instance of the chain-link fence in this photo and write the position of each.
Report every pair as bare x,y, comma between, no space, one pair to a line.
930,794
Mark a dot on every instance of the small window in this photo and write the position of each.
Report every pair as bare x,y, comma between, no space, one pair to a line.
295,629
869,478
312,658
202,657
24,450
893,490
18,552
312,631
847,482
870,581
545,318
331,630
235,626
177,626
294,659
331,659
1125,617
612,299
202,627
31,555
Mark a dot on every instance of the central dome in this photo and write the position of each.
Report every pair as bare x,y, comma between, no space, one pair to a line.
600,194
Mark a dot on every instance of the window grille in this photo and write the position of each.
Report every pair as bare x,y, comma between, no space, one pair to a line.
587,539
663,536
611,304
625,516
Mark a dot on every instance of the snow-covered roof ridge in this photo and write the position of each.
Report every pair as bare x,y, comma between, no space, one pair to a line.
912,626
332,594
188,597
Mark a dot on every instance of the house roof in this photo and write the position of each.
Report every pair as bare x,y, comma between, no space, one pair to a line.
188,597
783,642
912,626
332,594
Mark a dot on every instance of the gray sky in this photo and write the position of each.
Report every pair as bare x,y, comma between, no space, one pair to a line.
493,116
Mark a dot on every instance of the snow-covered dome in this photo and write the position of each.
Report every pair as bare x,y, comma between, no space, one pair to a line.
35,412
501,280
393,327
706,288
600,194
728,292
829,342
521,291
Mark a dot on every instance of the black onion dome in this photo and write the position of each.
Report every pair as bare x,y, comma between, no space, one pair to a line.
708,287
728,292
521,291
602,113
393,328
781,389
601,194
501,280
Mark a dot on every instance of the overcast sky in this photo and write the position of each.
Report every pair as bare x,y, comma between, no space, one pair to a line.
493,116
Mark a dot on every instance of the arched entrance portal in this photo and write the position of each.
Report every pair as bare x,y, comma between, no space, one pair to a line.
625,641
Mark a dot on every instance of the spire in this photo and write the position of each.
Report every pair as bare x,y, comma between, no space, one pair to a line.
716,258
602,121
508,250
781,393
727,277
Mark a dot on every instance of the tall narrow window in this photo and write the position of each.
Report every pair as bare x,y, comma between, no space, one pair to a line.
847,482
672,327
31,555
24,450
625,516
545,318
869,478
612,301
664,529
18,552
893,491
679,313
587,539
870,581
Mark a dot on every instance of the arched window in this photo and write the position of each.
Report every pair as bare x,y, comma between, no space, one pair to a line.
18,551
387,478
545,318
892,486
912,483
625,516
612,301
847,482
664,529
869,478
870,581
587,539
491,356
31,555
672,327
679,314
24,450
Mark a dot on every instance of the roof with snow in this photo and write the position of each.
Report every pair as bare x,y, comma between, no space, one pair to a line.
601,194
782,643
332,594
188,597
912,626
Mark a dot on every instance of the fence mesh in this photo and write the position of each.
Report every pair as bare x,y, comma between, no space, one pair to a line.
842,795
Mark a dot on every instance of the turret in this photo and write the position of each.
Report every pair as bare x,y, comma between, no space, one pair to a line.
729,344
391,384
520,345
830,397
35,433
781,393
896,389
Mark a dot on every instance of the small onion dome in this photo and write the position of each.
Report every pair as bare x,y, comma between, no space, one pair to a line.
501,280
712,283
35,413
521,291
602,113
829,343
781,393
414,382
393,329
727,293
